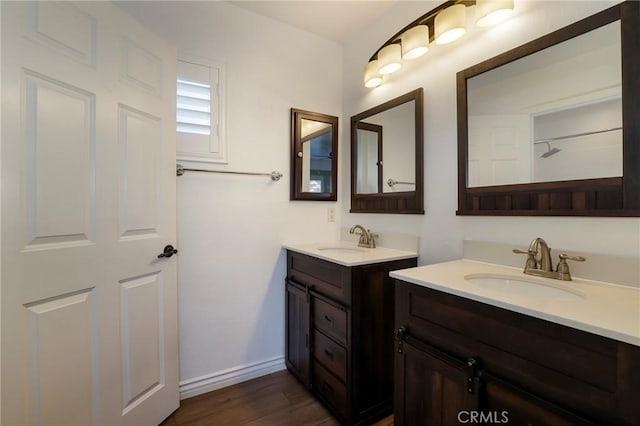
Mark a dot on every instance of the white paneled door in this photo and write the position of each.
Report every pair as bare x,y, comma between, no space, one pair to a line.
89,312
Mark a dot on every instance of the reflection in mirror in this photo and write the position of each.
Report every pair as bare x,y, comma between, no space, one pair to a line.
317,154
314,141
369,140
554,115
394,144
580,142
386,149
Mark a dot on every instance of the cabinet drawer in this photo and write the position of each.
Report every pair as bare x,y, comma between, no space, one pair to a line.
330,354
324,277
330,389
330,319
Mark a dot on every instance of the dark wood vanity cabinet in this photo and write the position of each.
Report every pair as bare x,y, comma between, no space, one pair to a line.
339,334
455,357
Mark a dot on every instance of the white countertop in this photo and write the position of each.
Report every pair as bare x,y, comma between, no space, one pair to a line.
360,255
604,309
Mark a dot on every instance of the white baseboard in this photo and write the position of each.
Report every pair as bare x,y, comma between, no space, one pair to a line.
230,376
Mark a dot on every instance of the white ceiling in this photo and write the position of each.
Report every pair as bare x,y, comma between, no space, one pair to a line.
332,19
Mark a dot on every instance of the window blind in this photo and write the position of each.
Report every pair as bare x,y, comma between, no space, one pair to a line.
193,99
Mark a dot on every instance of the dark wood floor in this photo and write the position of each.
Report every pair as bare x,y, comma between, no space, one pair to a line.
277,399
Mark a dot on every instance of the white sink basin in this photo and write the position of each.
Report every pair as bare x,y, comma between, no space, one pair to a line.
341,249
513,285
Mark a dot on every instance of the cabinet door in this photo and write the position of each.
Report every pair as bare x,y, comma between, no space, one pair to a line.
431,388
510,404
297,332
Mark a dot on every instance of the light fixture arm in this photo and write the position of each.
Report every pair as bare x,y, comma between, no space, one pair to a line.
443,24
426,19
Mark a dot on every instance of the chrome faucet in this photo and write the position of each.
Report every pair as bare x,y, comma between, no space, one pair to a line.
367,238
539,261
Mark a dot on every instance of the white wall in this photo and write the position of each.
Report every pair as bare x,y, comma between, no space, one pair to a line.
230,228
441,232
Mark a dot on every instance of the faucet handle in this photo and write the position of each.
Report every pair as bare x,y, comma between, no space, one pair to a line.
531,259
372,239
563,266
564,257
518,251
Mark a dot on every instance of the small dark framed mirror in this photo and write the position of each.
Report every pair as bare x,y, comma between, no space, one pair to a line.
387,157
314,156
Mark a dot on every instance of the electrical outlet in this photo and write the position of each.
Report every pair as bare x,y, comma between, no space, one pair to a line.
331,214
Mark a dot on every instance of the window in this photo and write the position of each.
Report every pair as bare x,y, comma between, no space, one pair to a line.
200,111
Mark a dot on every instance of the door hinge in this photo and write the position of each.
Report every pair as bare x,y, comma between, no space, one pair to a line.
400,336
472,376
306,340
307,294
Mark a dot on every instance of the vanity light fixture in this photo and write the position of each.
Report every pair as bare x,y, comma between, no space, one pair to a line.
451,24
415,42
491,12
442,25
372,77
389,59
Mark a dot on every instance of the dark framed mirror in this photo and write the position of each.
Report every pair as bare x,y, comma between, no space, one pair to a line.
552,128
387,173
314,156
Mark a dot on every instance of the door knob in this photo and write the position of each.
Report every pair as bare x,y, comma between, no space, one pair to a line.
168,252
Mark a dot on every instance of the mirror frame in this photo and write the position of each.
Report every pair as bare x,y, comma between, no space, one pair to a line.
615,196
297,115
405,202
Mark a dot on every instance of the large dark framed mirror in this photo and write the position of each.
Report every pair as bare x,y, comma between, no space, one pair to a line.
552,128
314,156
387,174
